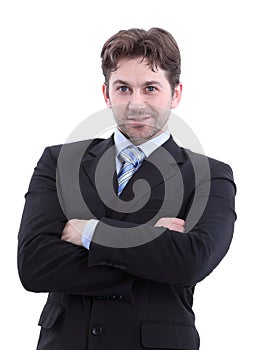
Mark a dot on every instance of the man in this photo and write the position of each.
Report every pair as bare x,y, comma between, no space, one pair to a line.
160,218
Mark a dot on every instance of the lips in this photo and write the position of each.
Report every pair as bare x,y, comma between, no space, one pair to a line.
138,119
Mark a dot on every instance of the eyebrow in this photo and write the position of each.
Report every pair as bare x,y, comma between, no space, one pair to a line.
146,83
121,82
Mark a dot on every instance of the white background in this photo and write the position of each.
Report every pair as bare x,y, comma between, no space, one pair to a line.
50,81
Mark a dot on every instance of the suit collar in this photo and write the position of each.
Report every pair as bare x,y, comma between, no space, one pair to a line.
174,150
170,145
99,148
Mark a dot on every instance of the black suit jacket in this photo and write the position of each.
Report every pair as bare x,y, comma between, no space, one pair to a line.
113,296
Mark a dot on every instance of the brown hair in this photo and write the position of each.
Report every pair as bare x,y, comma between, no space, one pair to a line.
155,45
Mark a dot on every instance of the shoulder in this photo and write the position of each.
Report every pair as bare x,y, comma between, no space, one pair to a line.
205,166
72,149
187,156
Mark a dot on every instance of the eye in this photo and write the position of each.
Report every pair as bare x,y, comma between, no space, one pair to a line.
123,89
150,88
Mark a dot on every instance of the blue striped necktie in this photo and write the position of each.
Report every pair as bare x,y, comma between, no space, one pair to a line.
131,157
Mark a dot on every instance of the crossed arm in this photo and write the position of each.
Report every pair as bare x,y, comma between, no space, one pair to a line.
51,258
73,229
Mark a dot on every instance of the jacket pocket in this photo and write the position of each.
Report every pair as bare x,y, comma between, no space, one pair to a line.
51,312
164,335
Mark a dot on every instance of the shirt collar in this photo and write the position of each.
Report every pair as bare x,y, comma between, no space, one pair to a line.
147,147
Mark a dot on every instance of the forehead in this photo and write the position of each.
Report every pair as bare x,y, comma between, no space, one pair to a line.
137,69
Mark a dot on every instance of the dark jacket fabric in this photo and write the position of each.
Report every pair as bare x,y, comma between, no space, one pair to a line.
122,294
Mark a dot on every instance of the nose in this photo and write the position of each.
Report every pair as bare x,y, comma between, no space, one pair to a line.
137,100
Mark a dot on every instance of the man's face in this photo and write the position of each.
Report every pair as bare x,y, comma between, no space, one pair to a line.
141,99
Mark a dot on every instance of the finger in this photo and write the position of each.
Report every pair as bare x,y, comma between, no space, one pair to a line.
64,232
178,221
173,220
177,228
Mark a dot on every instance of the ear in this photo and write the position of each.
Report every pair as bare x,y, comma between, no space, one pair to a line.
176,96
106,95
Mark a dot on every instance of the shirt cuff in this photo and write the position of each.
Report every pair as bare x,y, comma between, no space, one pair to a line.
88,232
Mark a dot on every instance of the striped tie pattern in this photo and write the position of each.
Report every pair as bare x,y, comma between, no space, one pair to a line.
131,157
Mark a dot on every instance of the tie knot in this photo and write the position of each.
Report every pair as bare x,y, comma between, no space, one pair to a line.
133,155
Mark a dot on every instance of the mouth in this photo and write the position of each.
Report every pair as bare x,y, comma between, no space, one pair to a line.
138,119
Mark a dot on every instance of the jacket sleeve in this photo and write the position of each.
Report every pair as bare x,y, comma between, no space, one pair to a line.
47,263
173,257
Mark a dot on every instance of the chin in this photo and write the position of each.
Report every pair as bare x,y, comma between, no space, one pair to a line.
142,134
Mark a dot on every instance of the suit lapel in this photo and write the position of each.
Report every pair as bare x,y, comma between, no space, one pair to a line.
93,156
99,167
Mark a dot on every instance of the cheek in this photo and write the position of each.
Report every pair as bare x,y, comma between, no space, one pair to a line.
162,109
119,110
165,101
161,103
116,101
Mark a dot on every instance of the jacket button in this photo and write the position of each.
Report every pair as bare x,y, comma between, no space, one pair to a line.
97,330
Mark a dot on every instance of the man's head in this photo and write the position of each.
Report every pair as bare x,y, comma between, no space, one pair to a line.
142,80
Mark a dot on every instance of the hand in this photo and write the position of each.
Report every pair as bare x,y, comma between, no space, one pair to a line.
72,231
173,224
